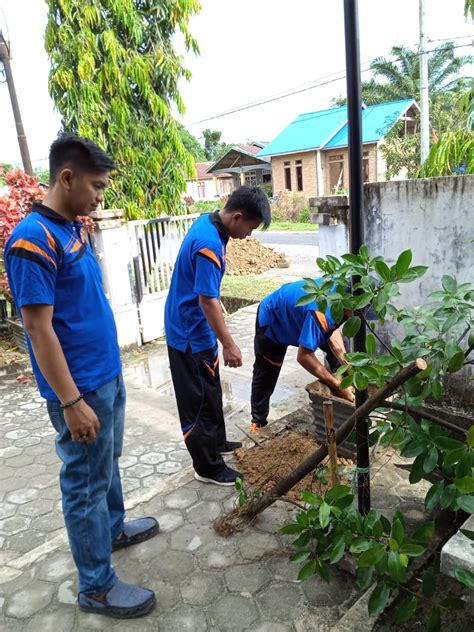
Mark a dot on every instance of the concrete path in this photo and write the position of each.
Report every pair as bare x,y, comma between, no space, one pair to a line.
203,582
301,248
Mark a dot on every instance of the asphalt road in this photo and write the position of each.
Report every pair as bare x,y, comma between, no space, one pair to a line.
308,238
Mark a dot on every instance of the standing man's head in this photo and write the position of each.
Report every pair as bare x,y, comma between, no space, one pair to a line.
246,209
78,175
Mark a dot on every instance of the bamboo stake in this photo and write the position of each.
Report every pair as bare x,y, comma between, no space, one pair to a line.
331,438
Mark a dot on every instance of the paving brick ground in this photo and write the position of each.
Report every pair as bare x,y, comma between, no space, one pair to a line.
203,582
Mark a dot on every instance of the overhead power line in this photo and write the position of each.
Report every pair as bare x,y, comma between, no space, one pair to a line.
316,83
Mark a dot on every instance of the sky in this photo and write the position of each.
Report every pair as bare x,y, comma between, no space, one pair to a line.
249,50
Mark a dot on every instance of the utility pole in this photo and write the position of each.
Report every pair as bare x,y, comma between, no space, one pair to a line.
424,95
356,198
5,60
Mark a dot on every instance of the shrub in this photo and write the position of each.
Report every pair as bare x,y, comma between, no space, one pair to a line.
288,206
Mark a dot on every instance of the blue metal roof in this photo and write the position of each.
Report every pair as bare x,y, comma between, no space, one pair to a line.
329,128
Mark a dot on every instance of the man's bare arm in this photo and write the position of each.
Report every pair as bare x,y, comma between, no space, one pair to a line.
310,362
336,344
213,313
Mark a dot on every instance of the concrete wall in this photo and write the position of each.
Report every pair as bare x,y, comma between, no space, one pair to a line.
435,219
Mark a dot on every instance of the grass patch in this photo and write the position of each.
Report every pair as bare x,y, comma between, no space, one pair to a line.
250,287
293,226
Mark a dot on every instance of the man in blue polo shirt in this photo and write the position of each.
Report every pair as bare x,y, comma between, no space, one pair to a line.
56,284
194,322
281,323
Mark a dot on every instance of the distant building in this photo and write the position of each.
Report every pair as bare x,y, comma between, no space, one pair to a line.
204,186
244,164
311,154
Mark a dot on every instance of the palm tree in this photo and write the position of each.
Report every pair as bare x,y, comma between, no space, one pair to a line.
402,75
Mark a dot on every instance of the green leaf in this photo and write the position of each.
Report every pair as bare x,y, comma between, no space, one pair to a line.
377,529
464,467
300,556
324,515
378,599
398,532
446,443
449,283
293,528
448,496
371,556
360,545
403,262
465,576
305,300
470,437
351,327
429,583
337,492
360,381
433,496
454,456
412,550
395,567
417,472
303,540
406,609
382,270
465,485
466,503
434,621
307,571
311,499
436,389
457,362
364,577
469,534
424,532
338,550
453,603
370,344
431,460
337,311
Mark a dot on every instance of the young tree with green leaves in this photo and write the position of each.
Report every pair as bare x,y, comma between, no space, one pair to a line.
192,144
114,78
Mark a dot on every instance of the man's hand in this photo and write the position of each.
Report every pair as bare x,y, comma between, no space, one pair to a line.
232,355
345,393
82,422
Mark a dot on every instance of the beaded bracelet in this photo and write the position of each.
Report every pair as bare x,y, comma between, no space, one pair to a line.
72,402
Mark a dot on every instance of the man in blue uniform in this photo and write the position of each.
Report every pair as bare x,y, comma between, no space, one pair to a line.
194,322
281,323
56,284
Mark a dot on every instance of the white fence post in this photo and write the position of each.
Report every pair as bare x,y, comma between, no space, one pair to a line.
111,244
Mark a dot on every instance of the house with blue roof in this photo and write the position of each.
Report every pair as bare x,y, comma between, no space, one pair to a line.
311,154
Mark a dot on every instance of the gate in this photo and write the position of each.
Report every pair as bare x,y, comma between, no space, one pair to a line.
155,246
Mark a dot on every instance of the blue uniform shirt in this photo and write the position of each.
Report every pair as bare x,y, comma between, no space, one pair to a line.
288,324
198,270
48,263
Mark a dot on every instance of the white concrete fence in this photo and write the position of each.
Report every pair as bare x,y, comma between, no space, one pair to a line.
137,260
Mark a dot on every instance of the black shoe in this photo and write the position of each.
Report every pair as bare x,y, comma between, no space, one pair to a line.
229,447
225,477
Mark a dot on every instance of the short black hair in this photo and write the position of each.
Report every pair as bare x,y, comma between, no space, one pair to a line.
253,203
78,153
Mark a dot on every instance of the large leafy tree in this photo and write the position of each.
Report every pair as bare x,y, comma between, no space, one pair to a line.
192,144
114,78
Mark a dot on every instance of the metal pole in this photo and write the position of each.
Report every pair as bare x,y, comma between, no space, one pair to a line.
354,106
424,96
5,60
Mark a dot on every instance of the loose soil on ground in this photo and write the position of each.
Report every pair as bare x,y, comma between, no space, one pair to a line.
249,256
265,465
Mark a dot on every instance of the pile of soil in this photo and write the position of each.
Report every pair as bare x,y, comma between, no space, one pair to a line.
249,256
264,465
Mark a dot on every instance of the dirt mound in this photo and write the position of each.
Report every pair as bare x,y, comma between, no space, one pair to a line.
263,466
249,256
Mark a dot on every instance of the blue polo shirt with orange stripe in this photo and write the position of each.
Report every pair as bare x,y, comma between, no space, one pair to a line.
291,325
198,270
49,263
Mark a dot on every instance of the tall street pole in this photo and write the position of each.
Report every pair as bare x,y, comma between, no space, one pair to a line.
424,95
354,107
5,60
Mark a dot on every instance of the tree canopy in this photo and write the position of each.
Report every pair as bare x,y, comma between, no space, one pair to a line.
114,78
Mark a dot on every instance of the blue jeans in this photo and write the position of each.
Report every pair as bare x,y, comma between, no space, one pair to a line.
91,489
